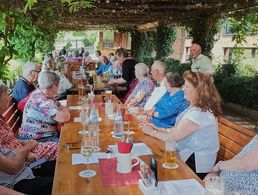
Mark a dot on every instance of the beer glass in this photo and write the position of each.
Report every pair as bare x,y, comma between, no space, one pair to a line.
81,92
170,155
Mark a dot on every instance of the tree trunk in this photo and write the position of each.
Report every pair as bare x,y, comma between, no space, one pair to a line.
203,30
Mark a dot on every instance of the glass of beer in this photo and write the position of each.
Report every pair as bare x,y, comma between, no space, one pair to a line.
170,155
81,92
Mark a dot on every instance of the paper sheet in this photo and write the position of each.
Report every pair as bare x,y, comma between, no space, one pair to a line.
181,187
138,149
78,119
63,102
80,159
75,107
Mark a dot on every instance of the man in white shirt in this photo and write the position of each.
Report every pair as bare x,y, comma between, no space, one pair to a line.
158,70
200,62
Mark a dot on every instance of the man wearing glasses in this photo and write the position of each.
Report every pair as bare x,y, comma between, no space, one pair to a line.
25,84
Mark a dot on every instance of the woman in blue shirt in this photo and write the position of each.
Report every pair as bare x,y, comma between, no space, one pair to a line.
171,104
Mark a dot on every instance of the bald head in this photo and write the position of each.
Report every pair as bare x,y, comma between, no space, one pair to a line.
158,70
195,50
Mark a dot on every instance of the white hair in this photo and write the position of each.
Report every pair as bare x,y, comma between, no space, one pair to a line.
28,67
47,79
142,69
160,66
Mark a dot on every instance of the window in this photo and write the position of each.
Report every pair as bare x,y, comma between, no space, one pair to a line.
228,29
108,39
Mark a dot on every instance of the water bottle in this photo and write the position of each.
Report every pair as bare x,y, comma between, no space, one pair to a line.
119,125
94,126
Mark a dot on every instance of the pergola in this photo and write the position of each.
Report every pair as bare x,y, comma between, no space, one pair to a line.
112,14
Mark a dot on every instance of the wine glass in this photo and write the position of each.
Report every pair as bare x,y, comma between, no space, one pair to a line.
81,93
127,118
87,149
84,115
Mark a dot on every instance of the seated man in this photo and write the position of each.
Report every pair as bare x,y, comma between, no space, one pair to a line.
64,83
25,84
104,67
18,176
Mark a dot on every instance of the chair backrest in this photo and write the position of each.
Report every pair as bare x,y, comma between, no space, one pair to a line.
13,117
232,138
91,66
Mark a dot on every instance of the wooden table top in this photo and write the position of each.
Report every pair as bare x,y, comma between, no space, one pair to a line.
67,180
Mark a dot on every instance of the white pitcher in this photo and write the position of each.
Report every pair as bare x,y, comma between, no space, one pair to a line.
124,162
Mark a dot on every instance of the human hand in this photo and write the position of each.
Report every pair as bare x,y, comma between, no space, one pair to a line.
210,175
29,144
31,157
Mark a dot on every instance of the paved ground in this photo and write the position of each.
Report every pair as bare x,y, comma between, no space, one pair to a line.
240,120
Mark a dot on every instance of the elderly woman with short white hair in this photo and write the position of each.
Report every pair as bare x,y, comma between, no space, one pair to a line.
143,89
42,112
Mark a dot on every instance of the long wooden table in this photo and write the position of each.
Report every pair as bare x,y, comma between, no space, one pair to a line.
67,180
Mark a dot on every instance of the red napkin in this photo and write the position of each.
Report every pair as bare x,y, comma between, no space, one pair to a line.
124,147
110,177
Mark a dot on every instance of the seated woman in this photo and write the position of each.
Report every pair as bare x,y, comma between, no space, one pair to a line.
48,63
196,129
8,139
64,83
241,172
42,112
143,88
171,104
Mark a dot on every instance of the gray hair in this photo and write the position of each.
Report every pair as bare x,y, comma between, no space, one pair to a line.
47,79
142,69
160,66
61,66
28,67
3,89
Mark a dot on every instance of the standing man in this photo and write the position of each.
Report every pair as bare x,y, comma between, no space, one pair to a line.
25,84
200,62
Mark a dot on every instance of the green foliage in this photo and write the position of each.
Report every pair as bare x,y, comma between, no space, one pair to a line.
144,43
164,38
175,65
243,25
236,87
78,33
68,45
89,40
73,5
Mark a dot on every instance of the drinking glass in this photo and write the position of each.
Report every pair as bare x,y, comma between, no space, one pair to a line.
214,185
84,115
170,155
81,92
127,118
87,149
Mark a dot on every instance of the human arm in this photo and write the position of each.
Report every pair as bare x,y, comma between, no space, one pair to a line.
117,81
14,164
63,115
185,128
8,191
248,162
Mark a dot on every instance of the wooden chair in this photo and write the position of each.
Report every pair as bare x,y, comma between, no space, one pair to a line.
13,117
232,138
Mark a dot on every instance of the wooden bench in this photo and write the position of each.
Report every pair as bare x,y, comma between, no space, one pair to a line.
232,138
13,117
